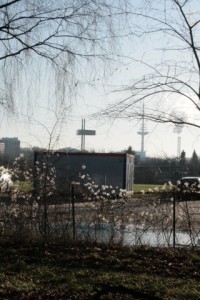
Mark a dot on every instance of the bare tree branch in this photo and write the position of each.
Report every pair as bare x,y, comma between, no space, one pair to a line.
175,77
9,3
59,32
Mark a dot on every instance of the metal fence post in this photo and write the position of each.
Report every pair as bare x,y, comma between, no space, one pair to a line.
174,218
73,211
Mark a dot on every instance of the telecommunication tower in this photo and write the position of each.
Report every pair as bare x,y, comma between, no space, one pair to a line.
179,120
83,132
143,131
178,129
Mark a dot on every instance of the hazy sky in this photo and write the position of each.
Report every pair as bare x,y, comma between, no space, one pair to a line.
113,135
39,119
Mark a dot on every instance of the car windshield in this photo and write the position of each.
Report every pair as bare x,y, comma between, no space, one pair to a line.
190,181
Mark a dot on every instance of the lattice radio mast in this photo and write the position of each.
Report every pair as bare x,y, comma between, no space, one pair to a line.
143,131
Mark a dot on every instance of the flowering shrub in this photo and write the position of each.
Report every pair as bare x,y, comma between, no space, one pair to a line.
6,183
99,212
92,191
24,210
45,175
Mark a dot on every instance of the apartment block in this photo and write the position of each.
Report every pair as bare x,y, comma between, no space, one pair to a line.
9,148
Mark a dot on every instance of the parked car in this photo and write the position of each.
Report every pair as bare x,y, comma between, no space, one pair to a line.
188,188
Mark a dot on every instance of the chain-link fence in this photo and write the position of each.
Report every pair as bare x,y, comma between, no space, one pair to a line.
135,220
94,213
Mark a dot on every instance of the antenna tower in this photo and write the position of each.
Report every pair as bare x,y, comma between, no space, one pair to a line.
143,131
83,132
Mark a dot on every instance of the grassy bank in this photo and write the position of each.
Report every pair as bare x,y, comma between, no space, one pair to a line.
58,271
138,188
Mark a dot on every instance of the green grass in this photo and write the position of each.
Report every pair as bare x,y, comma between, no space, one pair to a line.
24,186
151,188
60,271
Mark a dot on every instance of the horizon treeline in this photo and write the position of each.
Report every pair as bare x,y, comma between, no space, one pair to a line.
162,170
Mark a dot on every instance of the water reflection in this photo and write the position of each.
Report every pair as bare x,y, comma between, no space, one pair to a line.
131,235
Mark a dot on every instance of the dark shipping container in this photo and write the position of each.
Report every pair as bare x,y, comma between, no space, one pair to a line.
110,169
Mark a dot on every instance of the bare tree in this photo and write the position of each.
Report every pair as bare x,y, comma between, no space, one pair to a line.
64,33
174,72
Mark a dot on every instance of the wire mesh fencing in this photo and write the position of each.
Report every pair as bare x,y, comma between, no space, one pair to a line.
32,208
134,220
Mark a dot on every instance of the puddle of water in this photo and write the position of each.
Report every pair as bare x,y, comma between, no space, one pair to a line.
131,235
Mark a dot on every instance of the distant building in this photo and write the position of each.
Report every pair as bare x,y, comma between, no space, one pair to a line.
27,153
69,149
141,155
2,150
11,148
